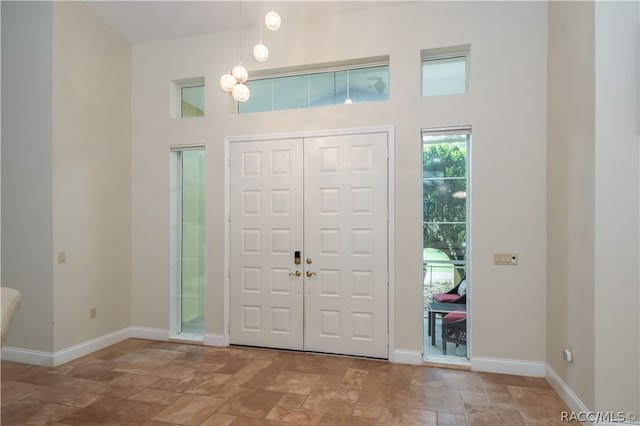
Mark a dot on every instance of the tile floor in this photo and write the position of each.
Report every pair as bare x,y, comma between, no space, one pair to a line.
145,383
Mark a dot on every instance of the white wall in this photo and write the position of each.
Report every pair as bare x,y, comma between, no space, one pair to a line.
27,229
66,175
570,192
617,193
91,175
506,106
593,196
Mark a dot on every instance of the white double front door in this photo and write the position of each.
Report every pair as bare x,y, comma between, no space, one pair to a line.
321,200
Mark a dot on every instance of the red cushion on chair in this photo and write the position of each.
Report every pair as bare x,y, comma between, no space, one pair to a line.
445,297
454,316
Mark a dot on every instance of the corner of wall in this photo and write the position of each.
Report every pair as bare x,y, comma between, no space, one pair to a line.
91,176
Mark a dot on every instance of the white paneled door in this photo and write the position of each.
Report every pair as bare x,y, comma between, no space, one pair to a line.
266,209
324,199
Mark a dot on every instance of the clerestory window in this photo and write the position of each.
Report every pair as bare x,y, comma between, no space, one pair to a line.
320,86
445,71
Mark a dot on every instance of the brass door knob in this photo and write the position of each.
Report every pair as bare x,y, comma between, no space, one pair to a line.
310,274
309,261
295,274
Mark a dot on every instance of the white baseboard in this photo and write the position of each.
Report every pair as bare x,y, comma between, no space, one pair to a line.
85,348
571,399
403,356
508,366
27,356
566,394
50,359
216,340
150,333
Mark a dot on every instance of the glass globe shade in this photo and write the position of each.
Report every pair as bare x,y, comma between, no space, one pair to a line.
240,92
272,20
260,52
240,73
227,82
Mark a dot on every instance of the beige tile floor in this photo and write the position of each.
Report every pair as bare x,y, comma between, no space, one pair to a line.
140,382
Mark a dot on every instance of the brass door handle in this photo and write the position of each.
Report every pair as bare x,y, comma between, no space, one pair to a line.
295,274
310,274
309,261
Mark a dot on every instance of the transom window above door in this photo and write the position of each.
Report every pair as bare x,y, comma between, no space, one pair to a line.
330,84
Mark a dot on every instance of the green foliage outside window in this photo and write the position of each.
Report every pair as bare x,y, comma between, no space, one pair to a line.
444,197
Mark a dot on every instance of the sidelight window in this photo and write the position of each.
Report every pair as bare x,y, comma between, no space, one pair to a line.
187,243
445,237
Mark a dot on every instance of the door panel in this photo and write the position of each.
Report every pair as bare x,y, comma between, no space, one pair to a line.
346,240
265,230
330,203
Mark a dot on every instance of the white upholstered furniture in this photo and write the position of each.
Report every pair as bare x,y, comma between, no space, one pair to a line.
11,299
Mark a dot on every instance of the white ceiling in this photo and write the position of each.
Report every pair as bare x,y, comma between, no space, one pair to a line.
147,21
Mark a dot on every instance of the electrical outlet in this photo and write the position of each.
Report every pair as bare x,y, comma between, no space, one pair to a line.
505,259
567,353
92,313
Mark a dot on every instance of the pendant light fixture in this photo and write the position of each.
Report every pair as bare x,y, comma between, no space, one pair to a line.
272,20
241,92
260,51
233,81
227,81
240,73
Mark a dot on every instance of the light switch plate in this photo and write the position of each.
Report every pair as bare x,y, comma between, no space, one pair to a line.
505,259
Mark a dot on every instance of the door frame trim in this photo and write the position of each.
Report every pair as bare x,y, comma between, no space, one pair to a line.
390,131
